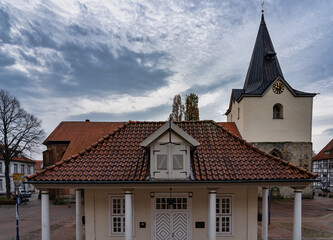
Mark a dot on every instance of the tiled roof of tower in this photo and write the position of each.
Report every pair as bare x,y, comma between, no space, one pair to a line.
80,135
263,70
325,153
221,156
231,127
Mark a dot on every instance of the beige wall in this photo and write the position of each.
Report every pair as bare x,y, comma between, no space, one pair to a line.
245,212
256,122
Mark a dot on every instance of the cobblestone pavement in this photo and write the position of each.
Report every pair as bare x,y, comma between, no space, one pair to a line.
317,219
62,220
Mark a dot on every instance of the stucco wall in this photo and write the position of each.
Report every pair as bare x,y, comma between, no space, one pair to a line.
245,212
256,123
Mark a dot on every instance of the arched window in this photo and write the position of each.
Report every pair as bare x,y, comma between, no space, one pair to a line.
277,111
276,153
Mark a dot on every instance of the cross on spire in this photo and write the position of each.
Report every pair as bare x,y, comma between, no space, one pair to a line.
262,7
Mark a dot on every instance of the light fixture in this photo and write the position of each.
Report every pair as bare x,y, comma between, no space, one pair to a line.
152,194
171,201
190,194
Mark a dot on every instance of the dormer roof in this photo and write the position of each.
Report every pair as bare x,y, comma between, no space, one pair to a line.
170,126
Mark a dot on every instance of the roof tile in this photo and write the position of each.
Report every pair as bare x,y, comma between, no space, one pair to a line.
221,156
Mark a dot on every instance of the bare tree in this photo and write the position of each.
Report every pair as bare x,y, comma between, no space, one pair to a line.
19,131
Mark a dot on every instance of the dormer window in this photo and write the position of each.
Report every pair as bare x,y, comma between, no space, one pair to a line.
170,149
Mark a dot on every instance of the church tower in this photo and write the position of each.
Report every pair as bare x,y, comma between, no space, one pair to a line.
268,112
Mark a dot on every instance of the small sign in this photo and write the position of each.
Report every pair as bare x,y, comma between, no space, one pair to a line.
199,224
18,178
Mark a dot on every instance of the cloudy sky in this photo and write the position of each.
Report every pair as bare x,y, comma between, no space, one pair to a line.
120,60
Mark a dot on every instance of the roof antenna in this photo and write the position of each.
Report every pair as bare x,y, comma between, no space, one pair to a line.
262,7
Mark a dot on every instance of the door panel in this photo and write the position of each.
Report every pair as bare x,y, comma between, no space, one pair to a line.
163,226
161,161
179,226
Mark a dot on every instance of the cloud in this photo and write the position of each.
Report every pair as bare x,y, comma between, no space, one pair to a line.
68,60
328,131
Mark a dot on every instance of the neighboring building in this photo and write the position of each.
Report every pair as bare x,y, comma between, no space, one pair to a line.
268,112
38,165
19,164
164,180
71,137
322,164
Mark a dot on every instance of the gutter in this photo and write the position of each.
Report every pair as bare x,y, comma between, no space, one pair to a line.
174,181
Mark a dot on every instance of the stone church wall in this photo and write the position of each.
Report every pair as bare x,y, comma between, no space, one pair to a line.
297,153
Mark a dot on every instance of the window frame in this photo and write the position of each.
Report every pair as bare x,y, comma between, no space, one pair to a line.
119,196
1,184
230,215
22,169
15,168
280,111
28,169
1,169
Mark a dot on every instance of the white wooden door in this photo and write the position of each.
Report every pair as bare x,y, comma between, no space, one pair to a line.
171,223
171,226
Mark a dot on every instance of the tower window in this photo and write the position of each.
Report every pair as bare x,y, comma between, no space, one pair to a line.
278,111
238,114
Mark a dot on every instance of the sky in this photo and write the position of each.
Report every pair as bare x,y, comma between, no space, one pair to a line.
125,60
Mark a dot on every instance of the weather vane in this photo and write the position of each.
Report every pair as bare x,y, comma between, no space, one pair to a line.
262,7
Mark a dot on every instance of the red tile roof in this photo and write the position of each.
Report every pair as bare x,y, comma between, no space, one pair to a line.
231,127
20,159
325,153
80,135
221,156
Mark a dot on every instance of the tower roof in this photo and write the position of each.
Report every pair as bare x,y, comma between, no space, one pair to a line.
264,66
263,70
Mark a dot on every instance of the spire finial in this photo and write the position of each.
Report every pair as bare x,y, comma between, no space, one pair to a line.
262,7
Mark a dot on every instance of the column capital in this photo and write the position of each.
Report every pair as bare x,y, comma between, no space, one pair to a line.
212,190
298,189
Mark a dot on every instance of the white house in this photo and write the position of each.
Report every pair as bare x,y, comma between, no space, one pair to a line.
19,164
164,180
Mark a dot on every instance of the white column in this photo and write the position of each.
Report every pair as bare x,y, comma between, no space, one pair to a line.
128,215
212,215
264,226
297,231
78,215
45,215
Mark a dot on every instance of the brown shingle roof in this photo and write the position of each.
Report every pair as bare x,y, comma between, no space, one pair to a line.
325,153
80,135
221,156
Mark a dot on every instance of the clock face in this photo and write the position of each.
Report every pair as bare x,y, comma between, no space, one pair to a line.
278,87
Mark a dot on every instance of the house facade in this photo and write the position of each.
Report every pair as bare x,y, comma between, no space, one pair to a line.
164,180
269,113
322,164
19,164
